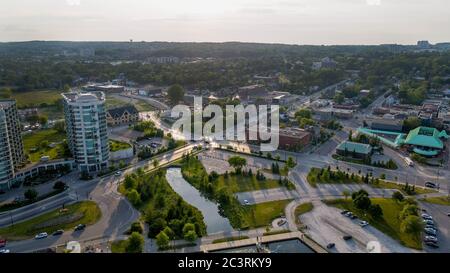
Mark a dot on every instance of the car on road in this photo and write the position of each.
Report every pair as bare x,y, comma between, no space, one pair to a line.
80,227
58,232
347,237
331,245
118,173
41,236
429,238
430,185
348,214
428,222
363,223
344,212
353,217
4,251
432,244
430,231
426,216
246,202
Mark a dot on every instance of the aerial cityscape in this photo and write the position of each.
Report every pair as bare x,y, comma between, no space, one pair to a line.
214,145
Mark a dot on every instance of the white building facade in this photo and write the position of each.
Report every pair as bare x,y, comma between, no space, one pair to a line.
87,136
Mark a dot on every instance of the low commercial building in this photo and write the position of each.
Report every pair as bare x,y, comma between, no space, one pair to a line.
294,139
252,92
324,114
426,141
391,125
122,115
354,150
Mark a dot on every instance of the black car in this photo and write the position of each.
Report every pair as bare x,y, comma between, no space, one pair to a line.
430,185
432,244
58,232
347,237
80,227
353,217
330,245
344,212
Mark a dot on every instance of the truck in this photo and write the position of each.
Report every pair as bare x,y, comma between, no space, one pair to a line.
409,162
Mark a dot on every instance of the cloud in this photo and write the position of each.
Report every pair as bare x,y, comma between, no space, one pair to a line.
73,2
373,2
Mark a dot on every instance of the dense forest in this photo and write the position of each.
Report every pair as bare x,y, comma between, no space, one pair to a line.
41,65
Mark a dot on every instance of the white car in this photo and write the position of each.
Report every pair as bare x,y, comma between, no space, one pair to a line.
363,223
246,202
118,173
4,251
427,217
41,236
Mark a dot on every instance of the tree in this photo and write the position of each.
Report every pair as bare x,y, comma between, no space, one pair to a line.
362,202
411,123
188,227
398,196
135,243
60,126
162,240
190,236
339,98
155,163
290,163
42,119
134,197
303,113
237,163
175,93
375,210
136,227
346,194
408,210
30,194
412,224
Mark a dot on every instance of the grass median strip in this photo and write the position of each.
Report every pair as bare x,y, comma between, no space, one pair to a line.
440,200
86,212
302,209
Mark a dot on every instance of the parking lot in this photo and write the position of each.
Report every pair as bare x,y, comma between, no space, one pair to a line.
327,225
442,224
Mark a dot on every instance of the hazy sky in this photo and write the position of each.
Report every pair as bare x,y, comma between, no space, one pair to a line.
274,21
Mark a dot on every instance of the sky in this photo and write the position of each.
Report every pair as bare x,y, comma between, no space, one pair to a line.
269,21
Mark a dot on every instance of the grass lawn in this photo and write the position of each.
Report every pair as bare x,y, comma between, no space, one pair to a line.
115,145
263,214
302,209
36,97
143,106
392,185
112,102
119,246
32,141
52,112
441,200
283,171
86,212
388,224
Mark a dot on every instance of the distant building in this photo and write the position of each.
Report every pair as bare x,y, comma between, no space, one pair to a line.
423,45
87,136
12,155
391,125
150,91
252,92
122,115
164,60
354,150
324,63
328,113
107,88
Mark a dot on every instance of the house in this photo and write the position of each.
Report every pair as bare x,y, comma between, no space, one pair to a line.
354,150
122,115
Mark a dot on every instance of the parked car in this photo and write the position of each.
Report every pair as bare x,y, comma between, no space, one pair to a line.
353,217
430,231
348,214
118,173
363,223
428,222
432,244
431,227
2,243
41,236
4,251
246,202
430,239
330,245
347,237
80,227
344,212
427,217
58,232
430,185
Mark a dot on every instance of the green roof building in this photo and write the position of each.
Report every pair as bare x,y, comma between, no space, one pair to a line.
426,141
354,149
